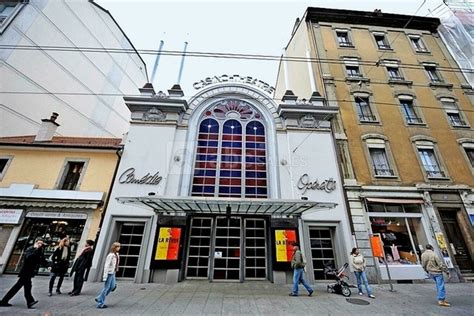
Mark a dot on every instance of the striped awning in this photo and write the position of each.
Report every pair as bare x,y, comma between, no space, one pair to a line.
204,205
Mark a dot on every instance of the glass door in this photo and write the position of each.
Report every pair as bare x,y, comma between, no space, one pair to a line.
130,239
197,265
227,249
255,249
322,251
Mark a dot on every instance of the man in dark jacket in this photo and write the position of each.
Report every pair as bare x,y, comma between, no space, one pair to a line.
81,266
34,257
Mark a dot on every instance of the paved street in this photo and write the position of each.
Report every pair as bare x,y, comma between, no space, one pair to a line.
203,298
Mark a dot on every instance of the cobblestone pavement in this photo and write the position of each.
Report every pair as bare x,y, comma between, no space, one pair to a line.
260,298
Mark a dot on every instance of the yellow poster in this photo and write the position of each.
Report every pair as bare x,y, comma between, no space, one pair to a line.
440,240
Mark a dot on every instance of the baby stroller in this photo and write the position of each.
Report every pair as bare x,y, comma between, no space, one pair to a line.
341,286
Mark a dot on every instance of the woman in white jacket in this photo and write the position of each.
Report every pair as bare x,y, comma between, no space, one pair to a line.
358,264
110,268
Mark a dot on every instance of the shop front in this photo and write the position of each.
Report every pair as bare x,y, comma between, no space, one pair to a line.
221,187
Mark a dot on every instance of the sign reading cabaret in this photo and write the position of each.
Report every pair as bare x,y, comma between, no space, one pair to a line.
284,239
128,176
304,184
167,247
234,78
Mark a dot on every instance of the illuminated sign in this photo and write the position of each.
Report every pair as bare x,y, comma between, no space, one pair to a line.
128,176
304,184
234,78
284,239
167,247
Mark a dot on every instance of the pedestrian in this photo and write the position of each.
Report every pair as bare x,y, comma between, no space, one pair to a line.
298,263
435,268
34,258
358,263
60,264
80,267
110,268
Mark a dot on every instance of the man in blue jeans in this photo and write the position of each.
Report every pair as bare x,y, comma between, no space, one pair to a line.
435,268
297,264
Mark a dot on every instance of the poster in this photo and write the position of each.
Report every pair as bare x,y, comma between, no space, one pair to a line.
377,246
167,247
444,249
284,239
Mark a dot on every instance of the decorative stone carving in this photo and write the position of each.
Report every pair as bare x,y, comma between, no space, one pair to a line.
154,115
161,95
308,121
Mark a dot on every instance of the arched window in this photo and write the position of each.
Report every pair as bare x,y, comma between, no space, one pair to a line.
231,152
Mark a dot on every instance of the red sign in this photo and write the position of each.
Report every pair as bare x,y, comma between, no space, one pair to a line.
284,239
167,247
377,246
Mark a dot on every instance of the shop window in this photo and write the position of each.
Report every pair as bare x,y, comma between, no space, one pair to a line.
381,40
51,230
452,112
4,164
418,44
411,115
393,208
231,152
343,39
72,175
430,163
403,238
364,110
433,74
130,239
380,162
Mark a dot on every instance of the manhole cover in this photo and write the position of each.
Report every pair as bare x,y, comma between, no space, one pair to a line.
357,301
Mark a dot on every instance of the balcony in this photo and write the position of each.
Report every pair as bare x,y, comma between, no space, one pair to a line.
414,120
346,44
434,173
384,172
367,118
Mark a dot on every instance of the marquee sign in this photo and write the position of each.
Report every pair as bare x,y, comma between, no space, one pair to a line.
234,78
284,239
167,247
304,184
128,176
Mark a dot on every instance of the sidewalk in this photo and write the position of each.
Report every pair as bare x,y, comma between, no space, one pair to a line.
204,298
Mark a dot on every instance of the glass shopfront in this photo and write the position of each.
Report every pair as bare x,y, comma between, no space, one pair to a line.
51,230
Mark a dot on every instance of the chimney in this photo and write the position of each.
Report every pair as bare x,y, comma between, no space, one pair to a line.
47,129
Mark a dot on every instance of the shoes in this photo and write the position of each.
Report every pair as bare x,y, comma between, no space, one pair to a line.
69,293
5,304
30,305
58,292
310,293
292,294
73,294
444,304
361,294
96,300
371,296
50,294
102,306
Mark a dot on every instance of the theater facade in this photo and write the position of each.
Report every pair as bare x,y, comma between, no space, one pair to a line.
217,187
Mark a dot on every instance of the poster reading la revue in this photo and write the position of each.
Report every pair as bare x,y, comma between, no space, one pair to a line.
283,243
167,247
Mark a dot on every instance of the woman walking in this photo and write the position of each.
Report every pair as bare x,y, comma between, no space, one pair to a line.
60,264
358,263
110,268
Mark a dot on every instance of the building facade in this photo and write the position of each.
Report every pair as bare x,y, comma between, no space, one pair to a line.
218,188
57,56
52,187
404,131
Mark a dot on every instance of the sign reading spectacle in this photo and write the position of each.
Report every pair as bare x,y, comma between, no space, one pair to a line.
304,184
128,176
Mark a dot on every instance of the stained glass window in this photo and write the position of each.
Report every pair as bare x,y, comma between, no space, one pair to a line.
231,152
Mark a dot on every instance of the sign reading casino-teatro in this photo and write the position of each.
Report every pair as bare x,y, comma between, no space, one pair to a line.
234,78
128,176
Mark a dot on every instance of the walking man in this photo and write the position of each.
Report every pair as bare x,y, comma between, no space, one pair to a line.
80,266
297,264
435,268
34,257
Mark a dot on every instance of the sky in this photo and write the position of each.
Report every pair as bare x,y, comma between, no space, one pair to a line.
228,26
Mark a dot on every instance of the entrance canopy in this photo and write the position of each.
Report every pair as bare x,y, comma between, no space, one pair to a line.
241,206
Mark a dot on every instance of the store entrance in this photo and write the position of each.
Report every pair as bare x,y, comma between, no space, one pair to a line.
227,248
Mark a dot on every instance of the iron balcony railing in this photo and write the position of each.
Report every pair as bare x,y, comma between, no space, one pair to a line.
383,172
413,120
434,173
367,118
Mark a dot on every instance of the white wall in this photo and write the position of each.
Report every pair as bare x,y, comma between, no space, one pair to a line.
73,24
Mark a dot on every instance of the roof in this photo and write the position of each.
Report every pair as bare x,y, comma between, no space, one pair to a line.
376,18
63,141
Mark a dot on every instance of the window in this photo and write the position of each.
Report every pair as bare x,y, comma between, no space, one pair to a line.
353,71
4,164
72,174
454,116
8,9
381,41
394,73
418,44
470,155
430,163
380,162
433,74
343,39
467,147
363,109
231,152
408,109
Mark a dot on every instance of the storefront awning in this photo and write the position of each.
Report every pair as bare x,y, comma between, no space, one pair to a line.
395,201
203,205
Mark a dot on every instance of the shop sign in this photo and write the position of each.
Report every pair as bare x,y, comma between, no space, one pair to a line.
304,184
10,216
56,215
167,247
284,239
128,176
234,78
